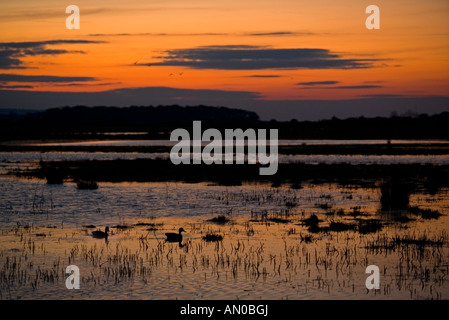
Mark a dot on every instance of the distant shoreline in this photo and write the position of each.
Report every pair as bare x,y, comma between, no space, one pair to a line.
88,123
431,148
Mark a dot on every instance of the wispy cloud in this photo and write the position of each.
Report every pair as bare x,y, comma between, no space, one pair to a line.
357,87
263,76
15,86
200,34
245,57
331,85
80,84
11,53
160,34
41,78
40,14
9,59
373,81
278,33
384,96
317,83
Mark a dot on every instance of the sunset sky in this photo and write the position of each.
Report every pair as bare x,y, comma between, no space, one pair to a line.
283,59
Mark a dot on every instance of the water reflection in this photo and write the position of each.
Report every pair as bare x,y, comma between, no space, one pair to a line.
282,142
266,249
14,159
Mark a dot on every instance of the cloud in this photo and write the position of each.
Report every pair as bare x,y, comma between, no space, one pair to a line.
29,13
329,85
317,83
78,84
40,44
8,60
384,96
278,33
245,57
263,76
374,81
41,78
357,87
161,34
15,86
11,53
200,34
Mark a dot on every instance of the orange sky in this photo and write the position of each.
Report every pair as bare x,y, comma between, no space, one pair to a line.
408,56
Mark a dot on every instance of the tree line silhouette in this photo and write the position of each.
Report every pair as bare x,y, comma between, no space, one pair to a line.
156,122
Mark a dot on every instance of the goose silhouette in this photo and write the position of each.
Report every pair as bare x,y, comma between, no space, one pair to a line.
100,234
174,237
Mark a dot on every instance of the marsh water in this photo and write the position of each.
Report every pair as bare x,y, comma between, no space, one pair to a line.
268,249
282,142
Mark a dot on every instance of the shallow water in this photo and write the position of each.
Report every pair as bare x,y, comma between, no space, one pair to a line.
266,251
282,142
17,158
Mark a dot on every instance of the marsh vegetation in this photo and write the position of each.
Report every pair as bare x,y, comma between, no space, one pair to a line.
253,241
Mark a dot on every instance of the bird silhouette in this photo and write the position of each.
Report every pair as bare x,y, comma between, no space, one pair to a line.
100,234
174,237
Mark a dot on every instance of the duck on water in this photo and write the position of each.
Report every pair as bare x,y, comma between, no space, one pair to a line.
100,234
174,237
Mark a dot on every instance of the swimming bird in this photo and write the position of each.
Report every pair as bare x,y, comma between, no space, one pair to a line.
174,237
100,234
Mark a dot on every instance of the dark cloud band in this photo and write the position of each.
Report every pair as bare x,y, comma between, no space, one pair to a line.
263,76
317,83
331,85
358,87
243,57
41,78
11,53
